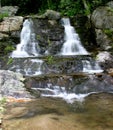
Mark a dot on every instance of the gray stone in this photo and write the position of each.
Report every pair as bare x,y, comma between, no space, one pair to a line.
11,84
103,56
110,4
51,14
9,10
102,17
103,41
11,24
105,59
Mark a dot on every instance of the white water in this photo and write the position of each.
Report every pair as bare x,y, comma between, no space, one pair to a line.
60,92
29,67
72,45
28,45
88,68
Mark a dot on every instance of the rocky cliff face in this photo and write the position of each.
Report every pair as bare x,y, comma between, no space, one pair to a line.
102,19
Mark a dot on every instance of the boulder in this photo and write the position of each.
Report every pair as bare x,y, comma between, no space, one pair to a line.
11,24
9,10
51,15
11,84
102,17
105,59
103,41
102,20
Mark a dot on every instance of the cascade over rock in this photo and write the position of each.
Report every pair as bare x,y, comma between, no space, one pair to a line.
41,40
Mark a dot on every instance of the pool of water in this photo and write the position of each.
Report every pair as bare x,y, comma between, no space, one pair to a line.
94,113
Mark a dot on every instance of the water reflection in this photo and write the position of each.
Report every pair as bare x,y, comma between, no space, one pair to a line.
95,113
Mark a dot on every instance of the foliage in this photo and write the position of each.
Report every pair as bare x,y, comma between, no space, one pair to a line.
2,104
109,33
10,60
9,48
6,47
70,7
50,59
66,7
2,15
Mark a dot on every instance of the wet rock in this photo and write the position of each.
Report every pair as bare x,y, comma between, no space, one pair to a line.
104,83
50,35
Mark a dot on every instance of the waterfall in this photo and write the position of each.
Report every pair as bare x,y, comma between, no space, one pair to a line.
89,67
72,44
28,44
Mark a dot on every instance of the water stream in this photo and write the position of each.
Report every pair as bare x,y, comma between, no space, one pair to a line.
26,60
72,97
28,44
72,45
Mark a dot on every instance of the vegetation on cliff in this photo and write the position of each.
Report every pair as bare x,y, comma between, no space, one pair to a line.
66,7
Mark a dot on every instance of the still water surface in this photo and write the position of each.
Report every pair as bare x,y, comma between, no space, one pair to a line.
94,113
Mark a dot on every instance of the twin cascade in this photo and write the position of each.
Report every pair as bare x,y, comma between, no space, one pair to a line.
28,60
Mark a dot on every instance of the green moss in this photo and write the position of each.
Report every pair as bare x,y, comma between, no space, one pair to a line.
10,60
110,9
2,15
109,33
2,104
50,59
9,48
38,37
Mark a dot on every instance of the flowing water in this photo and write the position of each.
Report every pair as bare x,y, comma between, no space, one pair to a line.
26,60
95,113
72,45
28,45
69,100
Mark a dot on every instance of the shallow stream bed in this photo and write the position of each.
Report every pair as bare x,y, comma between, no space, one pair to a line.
94,113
